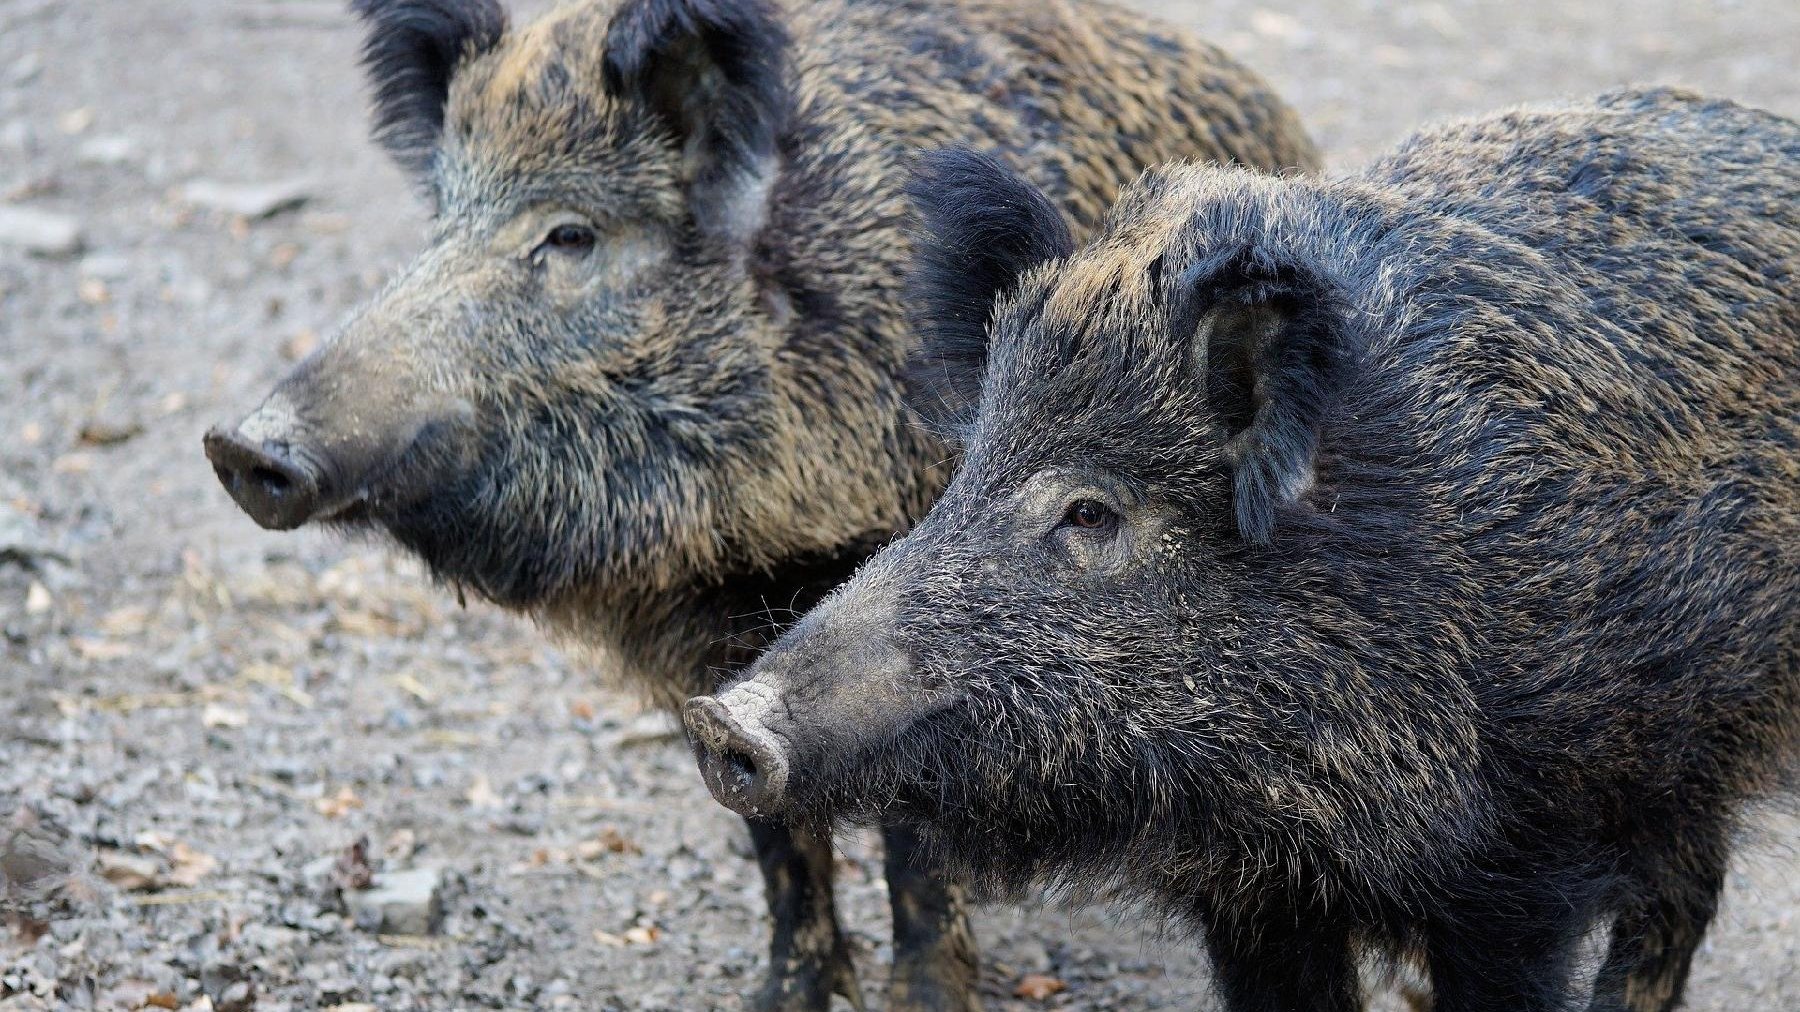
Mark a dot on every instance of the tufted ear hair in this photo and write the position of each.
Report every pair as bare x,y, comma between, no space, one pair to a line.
714,72
981,227
412,50
1271,344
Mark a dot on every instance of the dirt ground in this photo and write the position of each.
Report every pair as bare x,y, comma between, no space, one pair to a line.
205,718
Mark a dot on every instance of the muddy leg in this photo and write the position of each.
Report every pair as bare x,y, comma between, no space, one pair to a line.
1653,942
808,958
935,961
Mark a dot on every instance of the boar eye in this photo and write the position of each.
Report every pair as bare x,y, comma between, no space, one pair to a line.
1089,515
570,239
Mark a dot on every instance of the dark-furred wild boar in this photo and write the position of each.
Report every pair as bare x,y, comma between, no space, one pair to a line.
1408,564
644,381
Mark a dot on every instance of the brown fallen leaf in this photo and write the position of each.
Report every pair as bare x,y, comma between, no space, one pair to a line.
99,650
189,866
607,841
103,432
1038,987
581,709
303,343
131,620
129,872
353,869
643,934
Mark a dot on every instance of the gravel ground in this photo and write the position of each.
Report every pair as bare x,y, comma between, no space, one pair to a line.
228,732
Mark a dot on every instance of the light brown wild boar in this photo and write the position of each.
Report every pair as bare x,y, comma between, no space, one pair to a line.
643,383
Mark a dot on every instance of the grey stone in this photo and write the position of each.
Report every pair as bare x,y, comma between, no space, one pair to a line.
41,233
106,266
400,903
107,149
250,200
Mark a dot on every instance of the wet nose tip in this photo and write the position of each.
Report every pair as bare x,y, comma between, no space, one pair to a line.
276,490
743,767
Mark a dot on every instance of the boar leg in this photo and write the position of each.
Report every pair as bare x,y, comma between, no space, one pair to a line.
1502,959
935,962
1276,960
1653,941
808,957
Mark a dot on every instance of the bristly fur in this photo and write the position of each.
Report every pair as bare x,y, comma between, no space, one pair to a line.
981,227
412,50
1520,642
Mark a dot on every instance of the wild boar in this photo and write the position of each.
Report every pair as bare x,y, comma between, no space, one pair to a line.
643,383
1404,564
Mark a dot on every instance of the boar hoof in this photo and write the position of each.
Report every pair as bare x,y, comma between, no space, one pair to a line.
808,987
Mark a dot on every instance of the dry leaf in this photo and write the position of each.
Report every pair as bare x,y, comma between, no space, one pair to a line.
1038,987
129,872
481,794
284,255
277,678
128,621
401,844
190,866
581,709
37,599
99,650
415,688
353,870
609,939
643,934
336,806
93,291
303,343
217,715
615,842
161,999
98,432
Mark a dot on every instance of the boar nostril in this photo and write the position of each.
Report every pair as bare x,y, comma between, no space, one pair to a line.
741,766
274,483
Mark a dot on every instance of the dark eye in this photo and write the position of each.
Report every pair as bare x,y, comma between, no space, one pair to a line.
570,238
1089,515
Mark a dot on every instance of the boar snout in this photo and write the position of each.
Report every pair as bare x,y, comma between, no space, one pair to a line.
272,479
745,764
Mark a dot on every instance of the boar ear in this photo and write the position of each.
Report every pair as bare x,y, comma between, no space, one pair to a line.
413,48
1270,344
715,73
981,227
